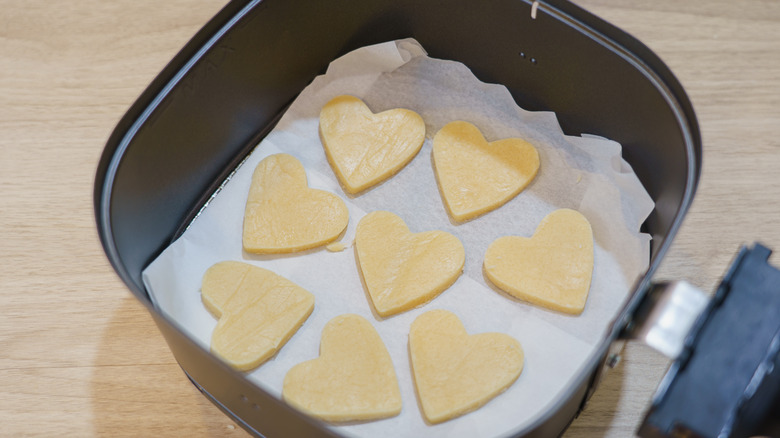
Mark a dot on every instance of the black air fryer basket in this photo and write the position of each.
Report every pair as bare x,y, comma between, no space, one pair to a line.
229,85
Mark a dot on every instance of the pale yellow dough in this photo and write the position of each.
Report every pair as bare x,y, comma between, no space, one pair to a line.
456,373
365,148
284,215
258,312
403,270
475,176
352,380
336,247
552,269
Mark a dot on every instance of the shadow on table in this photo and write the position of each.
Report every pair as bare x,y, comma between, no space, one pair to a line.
138,389
599,418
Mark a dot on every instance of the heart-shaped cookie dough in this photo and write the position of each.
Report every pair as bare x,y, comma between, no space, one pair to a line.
552,269
352,380
284,215
475,176
258,312
365,148
402,270
455,372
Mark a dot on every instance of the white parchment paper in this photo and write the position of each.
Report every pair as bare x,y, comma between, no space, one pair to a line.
583,173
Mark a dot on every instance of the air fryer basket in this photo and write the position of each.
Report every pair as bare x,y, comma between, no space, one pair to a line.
226,88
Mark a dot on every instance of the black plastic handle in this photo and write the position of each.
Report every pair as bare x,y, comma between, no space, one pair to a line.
726,383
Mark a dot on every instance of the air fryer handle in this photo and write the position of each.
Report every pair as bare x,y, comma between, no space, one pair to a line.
725,380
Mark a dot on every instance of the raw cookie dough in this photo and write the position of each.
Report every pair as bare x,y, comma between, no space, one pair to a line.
352,380
552,269
403,270
455,372
336,247
258,312
475,176
365,148
284,215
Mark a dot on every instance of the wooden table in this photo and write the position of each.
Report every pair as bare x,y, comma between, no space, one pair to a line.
80,357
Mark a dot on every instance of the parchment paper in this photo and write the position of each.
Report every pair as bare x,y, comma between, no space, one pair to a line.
586,174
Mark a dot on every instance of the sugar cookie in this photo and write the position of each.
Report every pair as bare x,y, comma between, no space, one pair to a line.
455,372
258,312
475,176
552,269
352,380
364,148
402,270
284,215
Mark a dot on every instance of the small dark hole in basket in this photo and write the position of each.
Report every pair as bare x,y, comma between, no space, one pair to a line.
244,398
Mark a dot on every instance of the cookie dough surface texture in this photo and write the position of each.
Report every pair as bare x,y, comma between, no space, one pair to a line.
352,380
401,269
456,373
284,215
475,176
552,269
258,312
364,148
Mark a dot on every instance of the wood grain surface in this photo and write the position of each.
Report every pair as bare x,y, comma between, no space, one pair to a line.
80,357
